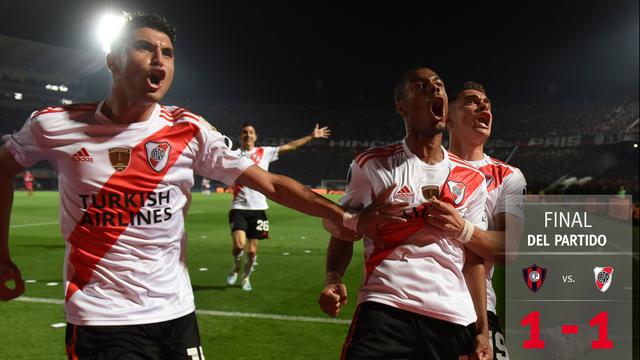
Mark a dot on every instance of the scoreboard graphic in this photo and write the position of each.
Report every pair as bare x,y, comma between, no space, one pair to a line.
569,279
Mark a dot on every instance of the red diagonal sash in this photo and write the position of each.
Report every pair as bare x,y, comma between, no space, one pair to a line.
89,243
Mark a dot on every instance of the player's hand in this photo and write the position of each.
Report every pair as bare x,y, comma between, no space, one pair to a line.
340,232
379,212
319,132
445,219
332,298
9,271
482,348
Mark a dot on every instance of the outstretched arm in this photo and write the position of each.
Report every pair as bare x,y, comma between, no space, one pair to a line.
317,132
292,194
8,270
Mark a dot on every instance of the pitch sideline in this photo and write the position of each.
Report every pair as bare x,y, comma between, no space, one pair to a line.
218,313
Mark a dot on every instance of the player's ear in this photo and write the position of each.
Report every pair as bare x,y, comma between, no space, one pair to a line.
400,109
449,121
112,64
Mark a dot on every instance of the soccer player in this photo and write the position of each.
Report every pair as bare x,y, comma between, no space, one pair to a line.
125,169
469,125
423,295
28,182
206,187
247,217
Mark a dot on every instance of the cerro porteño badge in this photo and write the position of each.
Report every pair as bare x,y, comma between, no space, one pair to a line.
534,277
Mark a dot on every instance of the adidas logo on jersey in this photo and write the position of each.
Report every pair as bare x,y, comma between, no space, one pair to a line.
82,155
404,193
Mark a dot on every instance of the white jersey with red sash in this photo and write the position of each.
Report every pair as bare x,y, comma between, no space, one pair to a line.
412,268
505,194
249,199
125,190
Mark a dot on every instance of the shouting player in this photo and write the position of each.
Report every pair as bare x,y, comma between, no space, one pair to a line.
125,170
469,124
247,217
423,295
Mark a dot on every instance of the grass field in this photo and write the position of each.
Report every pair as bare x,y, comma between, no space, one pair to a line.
283,285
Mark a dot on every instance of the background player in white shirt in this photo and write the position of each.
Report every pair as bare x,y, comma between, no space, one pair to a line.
247,217
125,169
469,124
421,292
206,187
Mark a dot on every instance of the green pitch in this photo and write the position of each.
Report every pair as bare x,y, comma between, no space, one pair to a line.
287,281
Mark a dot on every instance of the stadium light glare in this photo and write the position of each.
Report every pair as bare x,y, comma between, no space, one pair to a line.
108,28
66,102
17,96
635,146
63,88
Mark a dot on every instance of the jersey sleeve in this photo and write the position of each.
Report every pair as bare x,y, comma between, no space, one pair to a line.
359,189
476,206
272,152
24,145
206,124
216,160
511,199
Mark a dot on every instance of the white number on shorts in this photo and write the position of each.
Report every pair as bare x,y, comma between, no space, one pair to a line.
499,346
196,353
263,225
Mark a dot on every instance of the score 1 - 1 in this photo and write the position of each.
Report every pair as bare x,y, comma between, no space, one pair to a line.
533,319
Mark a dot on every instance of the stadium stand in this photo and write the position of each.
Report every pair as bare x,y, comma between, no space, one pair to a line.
552,143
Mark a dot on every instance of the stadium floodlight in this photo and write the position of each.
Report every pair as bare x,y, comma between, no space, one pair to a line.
17,96
63,88
635,146
108,28
66,102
